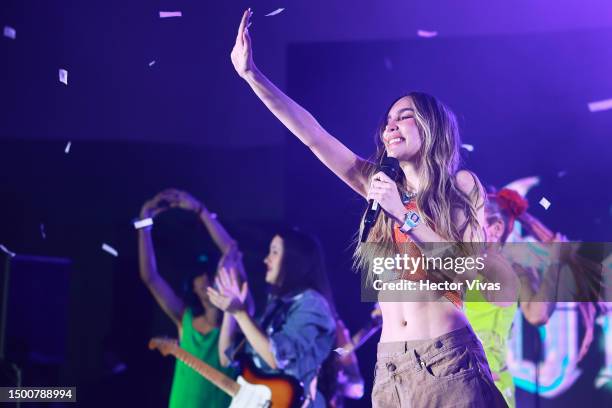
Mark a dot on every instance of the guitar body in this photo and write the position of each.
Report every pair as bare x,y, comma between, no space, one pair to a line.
254,389
286,391
251,395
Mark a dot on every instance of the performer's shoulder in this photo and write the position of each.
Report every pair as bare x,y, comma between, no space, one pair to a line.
313,300
310,295
466,180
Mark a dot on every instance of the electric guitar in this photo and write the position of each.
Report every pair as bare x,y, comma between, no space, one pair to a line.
253,389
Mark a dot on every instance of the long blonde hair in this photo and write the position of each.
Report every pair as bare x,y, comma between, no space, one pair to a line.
438,195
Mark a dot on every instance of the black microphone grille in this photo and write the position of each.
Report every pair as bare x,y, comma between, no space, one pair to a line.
390,166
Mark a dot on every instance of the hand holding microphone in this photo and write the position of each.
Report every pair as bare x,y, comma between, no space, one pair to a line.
383,194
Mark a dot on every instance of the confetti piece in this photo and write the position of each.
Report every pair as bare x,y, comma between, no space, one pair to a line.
427,34
110,250
145,222
63,76
341,351
600,105
468,147
275,12
152,63
388,64
545,203
7,251
42,231
167,14
562,173
10,32
67,148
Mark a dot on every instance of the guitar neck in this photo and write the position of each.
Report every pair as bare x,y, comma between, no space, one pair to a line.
213,375
363,335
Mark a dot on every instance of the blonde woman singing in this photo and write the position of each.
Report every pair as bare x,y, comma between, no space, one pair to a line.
428,354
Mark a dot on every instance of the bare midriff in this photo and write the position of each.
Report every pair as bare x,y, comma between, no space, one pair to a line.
434,314
404,321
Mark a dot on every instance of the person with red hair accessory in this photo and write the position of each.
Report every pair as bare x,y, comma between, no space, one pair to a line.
492,320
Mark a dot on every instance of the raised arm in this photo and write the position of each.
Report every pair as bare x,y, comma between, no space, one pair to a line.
232,263
228,331
218,233
170,303
232,299
538,298
337,157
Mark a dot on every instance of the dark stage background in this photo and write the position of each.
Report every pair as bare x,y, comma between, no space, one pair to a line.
188,122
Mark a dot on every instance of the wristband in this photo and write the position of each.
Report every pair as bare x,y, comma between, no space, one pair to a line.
412,220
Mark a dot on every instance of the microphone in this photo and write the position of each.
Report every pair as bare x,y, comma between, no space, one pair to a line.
390,166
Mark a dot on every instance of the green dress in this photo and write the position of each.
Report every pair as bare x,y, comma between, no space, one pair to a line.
190,389
492,325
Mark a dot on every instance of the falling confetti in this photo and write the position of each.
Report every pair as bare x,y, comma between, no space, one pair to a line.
468,147
67,148
110,250
427,34
341,351
562,173
545,203
63,76
600,105
7,251
145,222
152,63
167,14
275,12
42,231
10,32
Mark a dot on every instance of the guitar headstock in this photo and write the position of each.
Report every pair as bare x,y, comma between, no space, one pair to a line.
164,345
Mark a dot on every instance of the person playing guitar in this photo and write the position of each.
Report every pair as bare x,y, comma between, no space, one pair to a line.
296,331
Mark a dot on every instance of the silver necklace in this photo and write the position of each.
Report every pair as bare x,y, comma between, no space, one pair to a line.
408,196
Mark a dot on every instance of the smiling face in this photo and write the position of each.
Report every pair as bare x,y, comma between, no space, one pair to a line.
401,134
273,261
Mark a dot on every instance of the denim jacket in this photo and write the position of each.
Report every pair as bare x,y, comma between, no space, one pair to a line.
302,333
